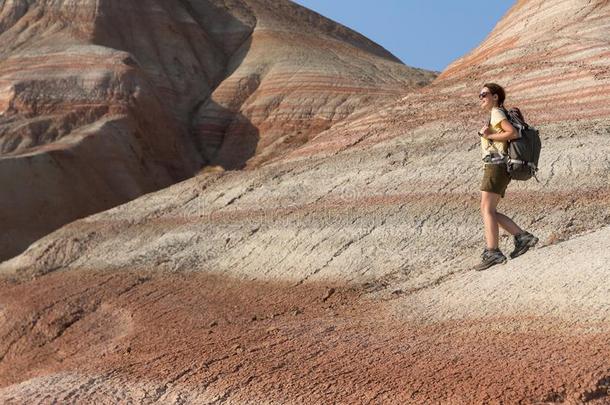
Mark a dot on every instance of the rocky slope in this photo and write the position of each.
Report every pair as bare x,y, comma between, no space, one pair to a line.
104,101
552,57
341,270
534,331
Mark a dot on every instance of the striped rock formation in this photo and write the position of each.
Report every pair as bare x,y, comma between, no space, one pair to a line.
552,57
101,102
341,271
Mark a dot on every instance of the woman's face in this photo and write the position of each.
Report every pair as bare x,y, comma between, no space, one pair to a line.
487,99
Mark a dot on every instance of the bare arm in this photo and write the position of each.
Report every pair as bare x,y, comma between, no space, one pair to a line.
509,133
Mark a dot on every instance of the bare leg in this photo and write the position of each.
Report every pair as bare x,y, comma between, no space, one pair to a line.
508,224
489,202
492,219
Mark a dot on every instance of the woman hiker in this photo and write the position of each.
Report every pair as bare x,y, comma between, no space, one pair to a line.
494,143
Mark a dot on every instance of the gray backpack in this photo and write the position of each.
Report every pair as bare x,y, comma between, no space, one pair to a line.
523,152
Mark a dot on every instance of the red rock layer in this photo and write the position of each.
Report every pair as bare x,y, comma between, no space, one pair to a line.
298,77
552,57
103,101
122,306
135,336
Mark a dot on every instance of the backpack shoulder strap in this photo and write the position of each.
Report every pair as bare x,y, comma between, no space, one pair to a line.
515,117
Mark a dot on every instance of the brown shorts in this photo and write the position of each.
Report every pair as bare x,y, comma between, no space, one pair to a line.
495,179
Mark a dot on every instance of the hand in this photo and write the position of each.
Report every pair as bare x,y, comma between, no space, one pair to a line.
483,131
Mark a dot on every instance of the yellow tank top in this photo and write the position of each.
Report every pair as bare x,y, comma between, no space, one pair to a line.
489,147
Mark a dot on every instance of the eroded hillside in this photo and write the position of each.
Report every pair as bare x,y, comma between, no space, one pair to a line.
103,101
341,271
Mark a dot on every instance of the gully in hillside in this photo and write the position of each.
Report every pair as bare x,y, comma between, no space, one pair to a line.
494,145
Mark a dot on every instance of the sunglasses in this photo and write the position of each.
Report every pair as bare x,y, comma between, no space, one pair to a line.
483,94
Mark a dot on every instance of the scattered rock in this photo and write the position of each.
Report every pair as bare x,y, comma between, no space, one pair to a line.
328,294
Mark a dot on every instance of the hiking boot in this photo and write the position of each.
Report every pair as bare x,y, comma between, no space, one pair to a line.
523,242
489,258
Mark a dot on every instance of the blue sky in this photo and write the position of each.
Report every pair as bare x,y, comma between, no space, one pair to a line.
427,34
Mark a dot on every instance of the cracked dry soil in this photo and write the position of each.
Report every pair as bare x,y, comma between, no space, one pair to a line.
137,337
